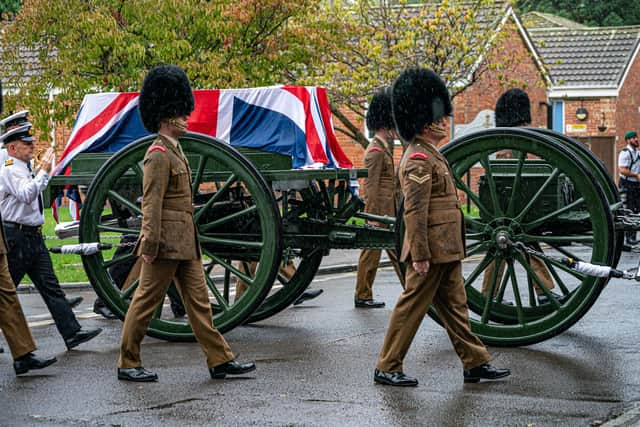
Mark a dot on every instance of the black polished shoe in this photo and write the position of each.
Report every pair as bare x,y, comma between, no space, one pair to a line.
368,303
83,335
543,299
394,378
1,350
307,295
75,301
104,311
29,361
231,368
139,375
484,371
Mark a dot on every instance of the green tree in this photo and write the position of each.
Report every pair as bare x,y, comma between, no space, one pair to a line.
593,13
381,38
8,8
87,46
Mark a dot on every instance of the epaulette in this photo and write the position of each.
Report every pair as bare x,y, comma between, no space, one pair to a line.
418,155
8,162
156,147
375,150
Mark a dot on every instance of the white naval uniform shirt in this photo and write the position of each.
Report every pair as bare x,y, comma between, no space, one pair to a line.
19,193
625,160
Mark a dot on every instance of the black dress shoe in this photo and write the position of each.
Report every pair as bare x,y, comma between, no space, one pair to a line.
75,301
394,378
231,368
83,335
104,311
543,299
1,350
139,375
484,371
368,303
29,361
307,295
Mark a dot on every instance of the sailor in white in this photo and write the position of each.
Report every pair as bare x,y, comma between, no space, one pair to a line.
22,214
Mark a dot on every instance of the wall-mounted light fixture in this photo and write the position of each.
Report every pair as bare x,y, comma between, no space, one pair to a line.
582,114
602,126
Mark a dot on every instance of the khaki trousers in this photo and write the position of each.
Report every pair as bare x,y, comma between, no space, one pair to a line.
537,266
155,279
444,286
367,269
286,270
12,321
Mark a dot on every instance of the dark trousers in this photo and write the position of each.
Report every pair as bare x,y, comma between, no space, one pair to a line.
29,256
631,197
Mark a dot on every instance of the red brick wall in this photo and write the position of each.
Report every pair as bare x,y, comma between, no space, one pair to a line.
520,68
627,107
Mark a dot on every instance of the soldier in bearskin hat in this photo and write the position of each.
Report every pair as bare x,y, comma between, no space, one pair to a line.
166,100
513,109
380,193
433,246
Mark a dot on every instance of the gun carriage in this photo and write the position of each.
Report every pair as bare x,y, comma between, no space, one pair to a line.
527,193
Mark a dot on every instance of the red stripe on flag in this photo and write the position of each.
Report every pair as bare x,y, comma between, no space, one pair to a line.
204,118
313,139
336,149
98,122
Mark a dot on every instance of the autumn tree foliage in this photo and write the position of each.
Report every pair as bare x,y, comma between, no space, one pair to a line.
351,47
386,36
88,46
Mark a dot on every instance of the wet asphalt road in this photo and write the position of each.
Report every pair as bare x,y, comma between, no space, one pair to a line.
315,365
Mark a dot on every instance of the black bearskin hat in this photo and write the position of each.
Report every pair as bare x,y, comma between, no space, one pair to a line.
379,112
165,94
513,109
419,97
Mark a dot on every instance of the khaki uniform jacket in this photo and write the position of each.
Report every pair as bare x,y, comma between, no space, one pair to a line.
168,231
380,186
432,216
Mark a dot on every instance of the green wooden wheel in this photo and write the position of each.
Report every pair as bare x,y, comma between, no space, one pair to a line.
236,217
601,173
546,197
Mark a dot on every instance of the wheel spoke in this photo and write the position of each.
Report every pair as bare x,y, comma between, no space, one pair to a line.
555,239
216,293
515,192
492,286
478,269
199,173
571,206
128,257
121,230
226,219
539,193
473,196
484,161
483,246
126,293
217,196
245,244
115,195
229,266
556,277
532,275
565,252
516,292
